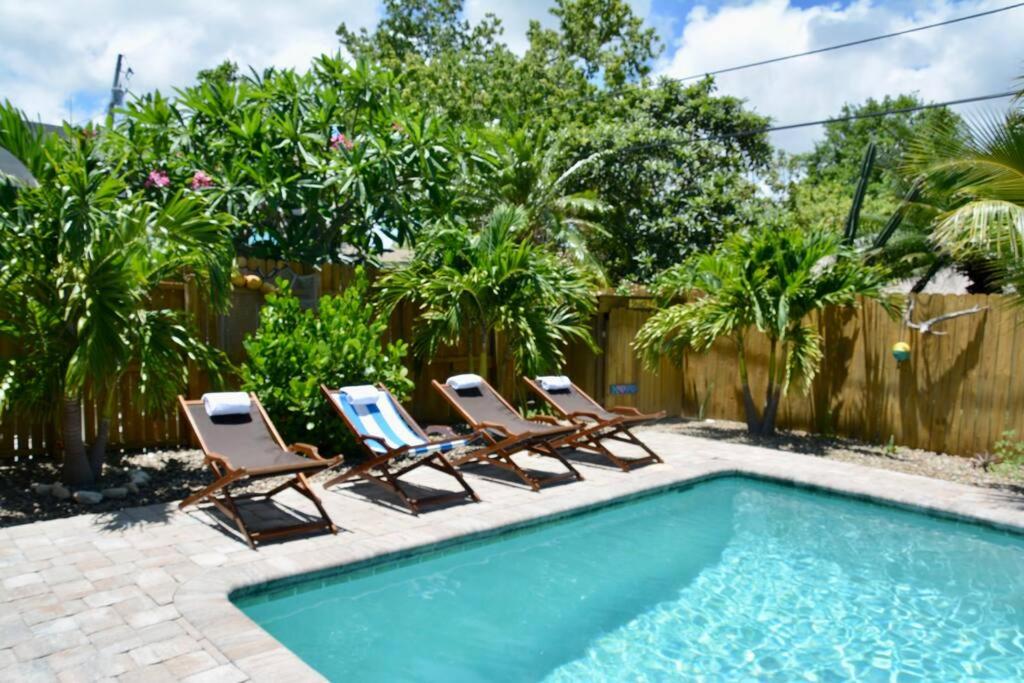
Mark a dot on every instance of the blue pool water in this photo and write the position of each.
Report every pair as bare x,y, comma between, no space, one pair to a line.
730,579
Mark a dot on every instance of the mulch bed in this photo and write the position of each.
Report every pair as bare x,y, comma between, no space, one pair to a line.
910,460
174,474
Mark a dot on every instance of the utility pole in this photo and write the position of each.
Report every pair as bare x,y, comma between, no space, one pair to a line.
116,90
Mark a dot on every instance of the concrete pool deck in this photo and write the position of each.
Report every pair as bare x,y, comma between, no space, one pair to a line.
142,595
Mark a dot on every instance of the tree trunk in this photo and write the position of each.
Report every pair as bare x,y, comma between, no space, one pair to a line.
76,470
98,450
770,411
749,409
484,354
776,383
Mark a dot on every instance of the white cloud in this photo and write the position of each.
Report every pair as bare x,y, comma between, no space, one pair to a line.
53,51
976,57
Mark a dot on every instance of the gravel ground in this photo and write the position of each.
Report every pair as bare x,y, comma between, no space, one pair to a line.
912,461
173,474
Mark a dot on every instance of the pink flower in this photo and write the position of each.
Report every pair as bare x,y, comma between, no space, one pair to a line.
157,178
338,140
200,180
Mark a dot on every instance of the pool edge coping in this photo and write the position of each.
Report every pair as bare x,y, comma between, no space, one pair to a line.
205,601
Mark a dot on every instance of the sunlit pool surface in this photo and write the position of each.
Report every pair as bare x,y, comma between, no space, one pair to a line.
730,579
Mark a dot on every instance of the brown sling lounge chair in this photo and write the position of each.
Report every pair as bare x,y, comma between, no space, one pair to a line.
598,423
395,444
508,432
246,447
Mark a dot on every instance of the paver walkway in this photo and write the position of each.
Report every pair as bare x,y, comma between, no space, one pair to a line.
142,594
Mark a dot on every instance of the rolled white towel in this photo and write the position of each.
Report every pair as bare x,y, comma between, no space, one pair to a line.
554,383
467,381
362,395
221,403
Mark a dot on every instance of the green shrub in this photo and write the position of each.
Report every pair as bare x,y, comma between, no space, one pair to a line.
1008,455
294,351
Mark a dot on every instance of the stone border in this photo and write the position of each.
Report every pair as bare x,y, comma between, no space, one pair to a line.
205,601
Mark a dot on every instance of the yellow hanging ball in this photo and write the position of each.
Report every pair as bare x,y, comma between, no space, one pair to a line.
901,351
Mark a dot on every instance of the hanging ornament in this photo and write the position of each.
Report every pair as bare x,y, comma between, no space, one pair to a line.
901,351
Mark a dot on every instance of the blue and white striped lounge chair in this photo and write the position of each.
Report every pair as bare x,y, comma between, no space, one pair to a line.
394,443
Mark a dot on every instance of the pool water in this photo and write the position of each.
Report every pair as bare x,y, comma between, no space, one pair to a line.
730,579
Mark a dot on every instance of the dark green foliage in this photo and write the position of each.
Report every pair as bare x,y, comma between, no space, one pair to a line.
296,350
670,192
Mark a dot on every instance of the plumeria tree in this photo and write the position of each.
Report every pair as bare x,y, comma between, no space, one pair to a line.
81,252
307,162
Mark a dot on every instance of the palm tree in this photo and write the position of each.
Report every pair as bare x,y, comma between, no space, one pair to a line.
469,286
768,280
980,167
81,254
520,167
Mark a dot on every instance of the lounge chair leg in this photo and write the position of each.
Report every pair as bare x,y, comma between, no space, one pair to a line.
552,453
450,469
220,483
301,484
599,447
394,484
230,508
641,444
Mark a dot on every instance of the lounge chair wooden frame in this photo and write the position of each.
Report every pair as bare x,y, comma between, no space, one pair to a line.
500,451
597,427
227,474
382,463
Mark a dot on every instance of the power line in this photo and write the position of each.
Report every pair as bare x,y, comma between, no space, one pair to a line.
597,95
819,122
853,43
878,114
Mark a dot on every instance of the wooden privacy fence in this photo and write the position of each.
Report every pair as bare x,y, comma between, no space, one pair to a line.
958,392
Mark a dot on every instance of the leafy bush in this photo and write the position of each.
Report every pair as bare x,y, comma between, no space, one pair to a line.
294,351
1007,458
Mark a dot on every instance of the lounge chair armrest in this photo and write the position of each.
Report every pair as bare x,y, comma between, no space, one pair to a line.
625,410
440,430
584,413
547,419
495,426
307,450
222,460
363,438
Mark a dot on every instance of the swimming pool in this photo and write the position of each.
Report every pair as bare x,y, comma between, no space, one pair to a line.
731,578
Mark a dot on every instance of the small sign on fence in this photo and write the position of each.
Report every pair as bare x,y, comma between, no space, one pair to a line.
641,304
622,389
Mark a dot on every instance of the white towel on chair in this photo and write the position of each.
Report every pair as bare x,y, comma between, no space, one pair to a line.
468,381
554,383
361,395
221,403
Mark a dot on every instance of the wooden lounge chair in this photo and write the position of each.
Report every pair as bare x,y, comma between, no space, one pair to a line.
395,444
247,447
508,432
598,423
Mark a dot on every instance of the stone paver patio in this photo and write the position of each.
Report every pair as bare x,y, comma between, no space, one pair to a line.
143,594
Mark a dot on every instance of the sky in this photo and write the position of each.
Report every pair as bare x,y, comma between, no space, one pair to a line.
57,61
